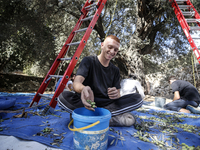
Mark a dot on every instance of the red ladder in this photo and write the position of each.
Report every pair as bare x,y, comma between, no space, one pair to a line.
186,13
89,5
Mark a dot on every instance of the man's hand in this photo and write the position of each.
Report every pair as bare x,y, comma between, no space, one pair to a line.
113,93
87,94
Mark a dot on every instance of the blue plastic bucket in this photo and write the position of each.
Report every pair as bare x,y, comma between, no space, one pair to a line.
90,128
7,102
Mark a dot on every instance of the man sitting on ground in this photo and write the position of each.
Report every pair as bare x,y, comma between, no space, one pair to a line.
98,80
186,97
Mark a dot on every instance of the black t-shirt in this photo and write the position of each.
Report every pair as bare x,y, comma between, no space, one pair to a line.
186,90
98,77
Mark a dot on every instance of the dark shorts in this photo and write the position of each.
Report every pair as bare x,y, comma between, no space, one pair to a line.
180,103
70,101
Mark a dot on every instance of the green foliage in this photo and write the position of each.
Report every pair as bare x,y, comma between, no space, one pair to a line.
25,37
33,32
150,66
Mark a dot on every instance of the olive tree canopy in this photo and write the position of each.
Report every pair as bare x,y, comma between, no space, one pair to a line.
34,31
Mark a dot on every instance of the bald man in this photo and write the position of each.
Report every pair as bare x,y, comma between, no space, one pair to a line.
98,80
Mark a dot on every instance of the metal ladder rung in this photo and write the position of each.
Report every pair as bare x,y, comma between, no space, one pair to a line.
42,95
92,8
88,18
188,13
75,43
191,20
56,76
92,5
184,6
178,1
194,28
195,37
65,58
181,0
50,76
84,29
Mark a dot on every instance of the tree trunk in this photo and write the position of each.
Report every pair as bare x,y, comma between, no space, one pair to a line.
142,40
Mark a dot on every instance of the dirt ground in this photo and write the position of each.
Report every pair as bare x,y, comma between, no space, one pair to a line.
22,83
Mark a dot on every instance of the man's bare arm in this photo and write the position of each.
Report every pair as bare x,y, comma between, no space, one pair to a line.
176,95
86,92
78,86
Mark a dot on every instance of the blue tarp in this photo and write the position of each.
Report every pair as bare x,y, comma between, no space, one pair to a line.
172,129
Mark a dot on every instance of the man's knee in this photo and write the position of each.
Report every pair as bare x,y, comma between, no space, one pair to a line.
165,106
126,119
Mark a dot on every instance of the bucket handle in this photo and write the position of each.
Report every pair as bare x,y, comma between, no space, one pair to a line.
78,129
